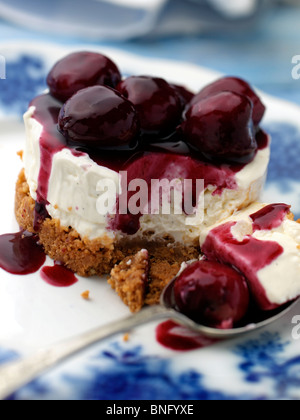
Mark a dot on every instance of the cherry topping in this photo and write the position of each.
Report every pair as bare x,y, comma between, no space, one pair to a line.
80,70
157,103
100,117
220,126
184,94
212,294
236,85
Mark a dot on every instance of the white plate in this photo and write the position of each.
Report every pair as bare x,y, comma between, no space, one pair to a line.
34,314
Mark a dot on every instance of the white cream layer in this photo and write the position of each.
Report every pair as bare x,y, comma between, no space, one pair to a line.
73,193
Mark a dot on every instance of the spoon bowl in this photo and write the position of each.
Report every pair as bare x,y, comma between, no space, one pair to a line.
16,374
167,301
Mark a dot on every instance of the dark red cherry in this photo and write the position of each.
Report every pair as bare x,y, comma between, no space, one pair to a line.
185,95
212,294
157,103
80,70
236,85
220,126
99,116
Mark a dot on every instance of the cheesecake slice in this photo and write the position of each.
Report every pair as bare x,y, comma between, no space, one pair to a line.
113,166
263,243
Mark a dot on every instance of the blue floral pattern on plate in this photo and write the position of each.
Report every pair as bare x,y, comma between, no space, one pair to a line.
7,355
285,158
28,73
121,372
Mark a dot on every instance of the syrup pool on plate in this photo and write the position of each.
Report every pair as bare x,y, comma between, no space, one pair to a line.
175,337
20,253
58,276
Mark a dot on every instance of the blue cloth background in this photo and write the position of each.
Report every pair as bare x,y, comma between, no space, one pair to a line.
259,47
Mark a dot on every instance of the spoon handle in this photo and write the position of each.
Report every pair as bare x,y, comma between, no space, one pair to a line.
16,374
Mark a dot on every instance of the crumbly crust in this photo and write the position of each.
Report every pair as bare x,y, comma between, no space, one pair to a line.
161,273
98,257
139,281
130,279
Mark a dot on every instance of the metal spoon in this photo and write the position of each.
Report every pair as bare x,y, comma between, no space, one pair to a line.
16,374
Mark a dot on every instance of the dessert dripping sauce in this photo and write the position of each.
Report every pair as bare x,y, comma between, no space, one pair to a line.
21,253
169,158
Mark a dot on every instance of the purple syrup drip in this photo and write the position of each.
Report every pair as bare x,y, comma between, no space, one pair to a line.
40,214
270,217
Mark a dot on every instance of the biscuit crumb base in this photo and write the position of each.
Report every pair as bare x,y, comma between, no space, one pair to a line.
161,273
98,257
140,281
130,280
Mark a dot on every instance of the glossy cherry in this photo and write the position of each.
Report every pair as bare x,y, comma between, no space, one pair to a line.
99,117
156,101
220,126
236,85
185,95
80,70
212,294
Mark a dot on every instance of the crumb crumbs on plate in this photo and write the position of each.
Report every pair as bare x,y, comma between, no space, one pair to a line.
20,154
86,295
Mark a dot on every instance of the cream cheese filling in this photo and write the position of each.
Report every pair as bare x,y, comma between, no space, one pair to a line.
73,195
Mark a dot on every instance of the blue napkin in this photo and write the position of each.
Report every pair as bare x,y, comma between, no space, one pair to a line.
127,19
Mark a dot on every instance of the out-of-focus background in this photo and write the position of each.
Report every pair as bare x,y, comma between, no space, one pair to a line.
258,40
